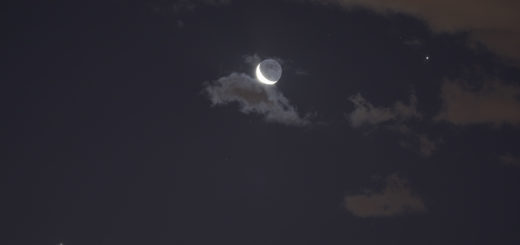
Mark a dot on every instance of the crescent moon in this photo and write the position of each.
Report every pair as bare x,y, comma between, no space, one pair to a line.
262,78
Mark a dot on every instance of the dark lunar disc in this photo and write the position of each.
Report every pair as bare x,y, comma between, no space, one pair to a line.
271,69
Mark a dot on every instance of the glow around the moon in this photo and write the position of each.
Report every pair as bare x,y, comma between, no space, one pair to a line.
269,71
262,78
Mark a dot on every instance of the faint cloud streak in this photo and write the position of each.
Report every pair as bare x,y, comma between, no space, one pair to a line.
395,199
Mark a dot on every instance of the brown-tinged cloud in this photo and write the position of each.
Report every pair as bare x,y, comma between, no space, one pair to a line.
395,199
510,160
495,23
253,97
494,103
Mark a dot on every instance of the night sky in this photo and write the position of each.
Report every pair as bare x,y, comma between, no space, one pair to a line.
142,122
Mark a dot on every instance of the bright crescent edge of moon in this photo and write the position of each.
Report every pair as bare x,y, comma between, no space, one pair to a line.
261,77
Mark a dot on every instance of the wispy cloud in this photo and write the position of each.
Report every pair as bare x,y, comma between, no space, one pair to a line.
426,145
395,118
366,113
510,160
395,199
420,143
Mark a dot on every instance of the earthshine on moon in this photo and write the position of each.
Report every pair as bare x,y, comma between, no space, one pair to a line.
268,71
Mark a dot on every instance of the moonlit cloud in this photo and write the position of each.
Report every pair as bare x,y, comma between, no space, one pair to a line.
395,199
253,97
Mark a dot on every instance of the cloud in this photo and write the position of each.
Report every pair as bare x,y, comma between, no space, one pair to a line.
253,97
493,23
395,199
366,113
397,115
510,160
421,143
426,145
494,103
253,59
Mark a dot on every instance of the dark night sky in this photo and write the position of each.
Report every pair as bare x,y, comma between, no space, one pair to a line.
141,122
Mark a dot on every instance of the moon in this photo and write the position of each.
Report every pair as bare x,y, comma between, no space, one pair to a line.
268,71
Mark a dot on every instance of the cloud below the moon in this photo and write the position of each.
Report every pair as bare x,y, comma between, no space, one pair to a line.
254,98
